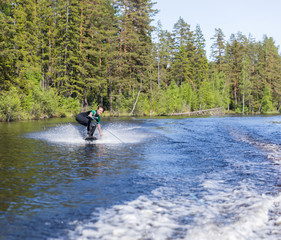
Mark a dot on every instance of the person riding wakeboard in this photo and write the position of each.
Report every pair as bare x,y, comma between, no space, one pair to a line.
91,119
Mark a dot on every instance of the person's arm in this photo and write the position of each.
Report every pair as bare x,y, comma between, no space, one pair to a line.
99,128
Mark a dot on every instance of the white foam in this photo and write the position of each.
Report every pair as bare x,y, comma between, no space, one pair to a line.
241,213
222,213
141,218
73,134
65,133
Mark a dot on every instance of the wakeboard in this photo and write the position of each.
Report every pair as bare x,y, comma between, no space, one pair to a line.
91,138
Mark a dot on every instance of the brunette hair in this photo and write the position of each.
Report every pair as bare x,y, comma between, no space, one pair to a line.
101,106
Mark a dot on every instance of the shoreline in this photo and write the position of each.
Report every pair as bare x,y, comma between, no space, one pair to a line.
199,113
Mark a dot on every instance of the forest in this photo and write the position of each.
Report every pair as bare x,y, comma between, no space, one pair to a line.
60,57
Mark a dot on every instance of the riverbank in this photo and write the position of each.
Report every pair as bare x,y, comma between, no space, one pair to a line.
69,108
205,112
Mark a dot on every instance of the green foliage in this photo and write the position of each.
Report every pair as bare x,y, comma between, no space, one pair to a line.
189,97
59,56
266,101
172,98
206,96
49,104
155,104
37,104
10,105
69,105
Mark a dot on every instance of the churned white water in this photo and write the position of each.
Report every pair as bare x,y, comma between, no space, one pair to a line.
230,214
74,134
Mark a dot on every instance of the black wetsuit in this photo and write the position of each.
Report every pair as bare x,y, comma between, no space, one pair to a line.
84,119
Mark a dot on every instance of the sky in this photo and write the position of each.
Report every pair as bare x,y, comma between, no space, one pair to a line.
255,17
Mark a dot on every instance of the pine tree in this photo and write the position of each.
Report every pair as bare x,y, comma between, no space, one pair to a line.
184,53
200,61
98,50
166,56
48,32
252,73
134,45
7,56
26,44
235,52
256,77
68,81
245,84
111,50
218,48
272,69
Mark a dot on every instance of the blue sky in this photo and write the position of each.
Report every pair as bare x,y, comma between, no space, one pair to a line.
257,17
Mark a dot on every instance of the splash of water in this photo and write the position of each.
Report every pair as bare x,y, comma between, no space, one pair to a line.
75,134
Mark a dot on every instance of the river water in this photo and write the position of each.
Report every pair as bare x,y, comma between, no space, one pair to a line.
165,178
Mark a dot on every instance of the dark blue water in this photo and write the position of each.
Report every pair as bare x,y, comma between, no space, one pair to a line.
184,178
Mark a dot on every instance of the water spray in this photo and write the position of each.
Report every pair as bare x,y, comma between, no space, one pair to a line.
122,141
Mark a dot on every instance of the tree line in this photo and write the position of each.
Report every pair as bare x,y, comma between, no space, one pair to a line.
61,56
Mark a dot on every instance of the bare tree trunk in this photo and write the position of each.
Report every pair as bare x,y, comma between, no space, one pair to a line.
135,103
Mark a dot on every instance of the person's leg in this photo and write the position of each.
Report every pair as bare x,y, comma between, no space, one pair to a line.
82,119
89,126
93,126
